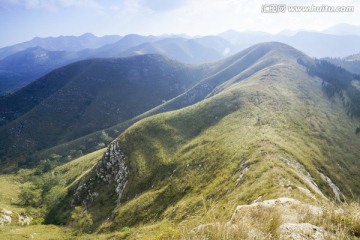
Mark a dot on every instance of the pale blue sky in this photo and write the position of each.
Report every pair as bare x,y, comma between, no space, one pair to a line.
22,20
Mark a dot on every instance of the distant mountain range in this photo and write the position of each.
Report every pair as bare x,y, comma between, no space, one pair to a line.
24,62
24,66
61,43
343,29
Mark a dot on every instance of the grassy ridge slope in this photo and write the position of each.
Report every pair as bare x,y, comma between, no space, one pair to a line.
275,133
260,128
270,121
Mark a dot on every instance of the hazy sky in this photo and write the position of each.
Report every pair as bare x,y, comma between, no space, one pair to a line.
21,20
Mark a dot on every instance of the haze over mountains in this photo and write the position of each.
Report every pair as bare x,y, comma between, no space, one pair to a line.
61,43
350,63
343,29
24,62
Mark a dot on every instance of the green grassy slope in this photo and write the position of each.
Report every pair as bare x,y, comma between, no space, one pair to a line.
272,134
51,183
236,68
53,187
260,131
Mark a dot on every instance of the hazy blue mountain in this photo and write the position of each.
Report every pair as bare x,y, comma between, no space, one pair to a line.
87,96
61,43
184,50
288,32
174,36
242,40
21,68
217,43
315,44
323,45
343,29
25,66
116,49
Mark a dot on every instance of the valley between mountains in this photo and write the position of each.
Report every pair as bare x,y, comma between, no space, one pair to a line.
263,144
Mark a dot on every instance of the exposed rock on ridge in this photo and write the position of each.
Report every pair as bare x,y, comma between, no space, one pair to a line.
111,171
287,217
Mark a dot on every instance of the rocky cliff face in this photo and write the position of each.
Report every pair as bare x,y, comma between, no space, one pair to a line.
110,172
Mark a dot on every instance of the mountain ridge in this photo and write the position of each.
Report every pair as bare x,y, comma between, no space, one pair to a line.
261,133
91,86
61,43
183,48
271,134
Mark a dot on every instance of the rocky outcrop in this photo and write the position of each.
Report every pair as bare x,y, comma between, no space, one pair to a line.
304,175
5,220
301,231
6,212
337,193
23,219
288,207
281,218
111,171
5,217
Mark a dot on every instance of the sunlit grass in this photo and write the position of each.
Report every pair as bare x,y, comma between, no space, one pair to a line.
195,165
